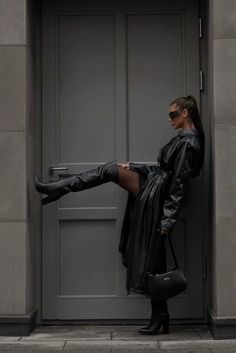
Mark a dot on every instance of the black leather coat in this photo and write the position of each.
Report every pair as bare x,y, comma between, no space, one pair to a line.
162,188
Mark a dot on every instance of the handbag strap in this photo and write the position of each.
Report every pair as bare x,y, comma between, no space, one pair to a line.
173,253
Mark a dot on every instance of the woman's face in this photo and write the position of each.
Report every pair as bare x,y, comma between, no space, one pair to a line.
177,118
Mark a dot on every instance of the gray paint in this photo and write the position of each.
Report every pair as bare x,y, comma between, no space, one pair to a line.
153,42
101,101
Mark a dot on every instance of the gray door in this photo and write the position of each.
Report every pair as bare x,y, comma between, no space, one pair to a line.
109,74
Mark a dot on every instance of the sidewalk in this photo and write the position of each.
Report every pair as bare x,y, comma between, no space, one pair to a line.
114,339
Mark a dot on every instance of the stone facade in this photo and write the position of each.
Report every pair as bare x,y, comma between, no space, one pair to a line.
222,306
17,304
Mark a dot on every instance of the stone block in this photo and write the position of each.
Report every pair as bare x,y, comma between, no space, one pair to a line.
26,346
224,81
101,345
224,13
13,175
12,88
89,334
12,22
198,344
12,268
225,262
225,171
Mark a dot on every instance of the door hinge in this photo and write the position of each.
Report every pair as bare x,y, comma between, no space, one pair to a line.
200,28
201,80
204,268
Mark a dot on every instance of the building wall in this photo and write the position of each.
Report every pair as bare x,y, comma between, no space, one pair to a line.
20,138
224,129
13,129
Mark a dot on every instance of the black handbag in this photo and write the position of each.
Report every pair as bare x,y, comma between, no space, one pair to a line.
165,285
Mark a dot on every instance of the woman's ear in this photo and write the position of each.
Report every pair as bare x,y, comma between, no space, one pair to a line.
185,112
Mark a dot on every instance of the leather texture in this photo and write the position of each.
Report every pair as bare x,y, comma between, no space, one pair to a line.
156,207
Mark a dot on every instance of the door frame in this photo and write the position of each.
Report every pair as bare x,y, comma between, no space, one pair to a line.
204,107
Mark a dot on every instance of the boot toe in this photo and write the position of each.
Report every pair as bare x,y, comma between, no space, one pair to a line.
147,331
37,183
143,329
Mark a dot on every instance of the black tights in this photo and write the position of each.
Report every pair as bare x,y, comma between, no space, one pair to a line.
128,179
159,306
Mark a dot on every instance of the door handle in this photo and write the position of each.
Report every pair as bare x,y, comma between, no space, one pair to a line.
55,169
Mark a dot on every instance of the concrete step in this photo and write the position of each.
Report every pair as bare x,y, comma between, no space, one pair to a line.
116,339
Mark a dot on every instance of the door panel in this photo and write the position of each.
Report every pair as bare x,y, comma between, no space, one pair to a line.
87,272
109,74
86,88
154,42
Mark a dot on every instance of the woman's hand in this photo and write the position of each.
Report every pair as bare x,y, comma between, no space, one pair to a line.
163,231
124,165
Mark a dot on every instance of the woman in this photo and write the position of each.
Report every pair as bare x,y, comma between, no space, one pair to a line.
154,200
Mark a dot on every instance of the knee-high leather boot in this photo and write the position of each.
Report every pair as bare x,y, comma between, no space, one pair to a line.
84,180
160,317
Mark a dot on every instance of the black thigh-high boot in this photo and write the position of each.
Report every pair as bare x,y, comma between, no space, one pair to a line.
160,317
84,180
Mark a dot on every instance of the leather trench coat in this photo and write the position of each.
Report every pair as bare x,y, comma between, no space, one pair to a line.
155,207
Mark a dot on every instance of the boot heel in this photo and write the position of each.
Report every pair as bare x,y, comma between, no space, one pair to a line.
54,196
165,326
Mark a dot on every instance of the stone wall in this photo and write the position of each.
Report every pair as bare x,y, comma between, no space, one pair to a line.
224,78
13,186
19,130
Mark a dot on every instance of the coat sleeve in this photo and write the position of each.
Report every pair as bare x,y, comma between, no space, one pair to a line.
176,187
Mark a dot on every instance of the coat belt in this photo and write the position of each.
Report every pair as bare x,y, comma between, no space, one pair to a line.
162,172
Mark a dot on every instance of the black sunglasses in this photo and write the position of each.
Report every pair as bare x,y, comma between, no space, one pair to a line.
174,114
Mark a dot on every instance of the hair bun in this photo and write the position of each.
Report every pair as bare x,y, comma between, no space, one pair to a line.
191,98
